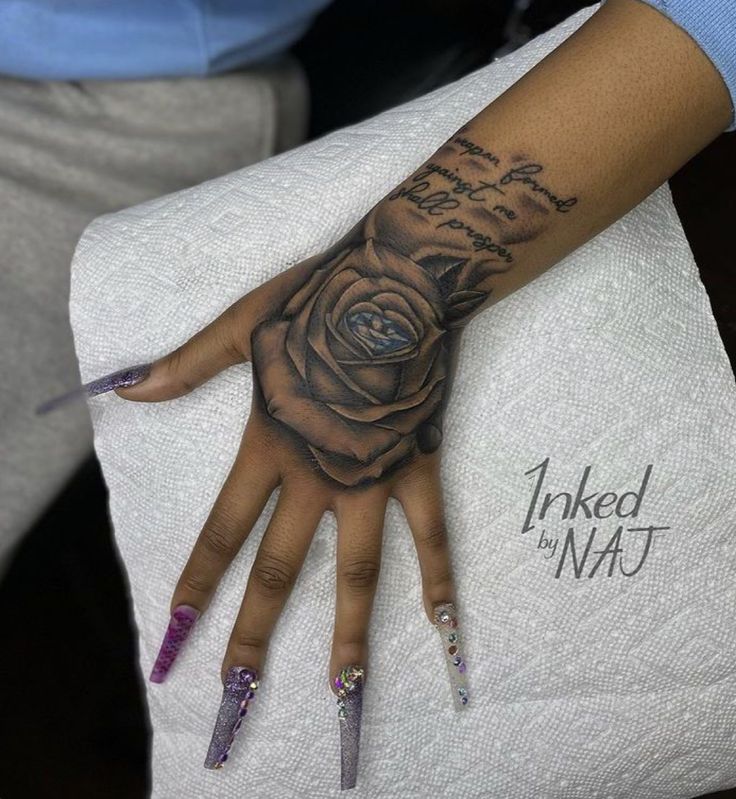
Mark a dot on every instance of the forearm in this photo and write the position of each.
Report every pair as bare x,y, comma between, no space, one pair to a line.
582,138
353,350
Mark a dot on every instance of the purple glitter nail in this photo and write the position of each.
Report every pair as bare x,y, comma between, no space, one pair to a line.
240,685
180,625
130,376
350,704
125,378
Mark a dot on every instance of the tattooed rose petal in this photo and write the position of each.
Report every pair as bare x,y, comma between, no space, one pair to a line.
356,361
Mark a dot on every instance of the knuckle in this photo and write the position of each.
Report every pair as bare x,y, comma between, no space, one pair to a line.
175,374
276,402
412,479
195,583
434,536
415,471
228,334
243,639
218,539
360,575
272,575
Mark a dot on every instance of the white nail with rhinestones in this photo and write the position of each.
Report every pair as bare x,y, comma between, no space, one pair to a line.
445,621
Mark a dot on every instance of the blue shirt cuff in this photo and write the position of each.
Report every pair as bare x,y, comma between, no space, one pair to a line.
712,24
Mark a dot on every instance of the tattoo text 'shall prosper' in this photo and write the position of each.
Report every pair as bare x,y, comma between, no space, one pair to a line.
356,362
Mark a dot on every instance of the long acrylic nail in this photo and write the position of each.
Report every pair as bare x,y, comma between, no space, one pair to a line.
445,621
130,376
241,684
180,625
349,685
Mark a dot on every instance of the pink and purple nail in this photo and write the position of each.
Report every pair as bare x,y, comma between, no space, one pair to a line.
241,684
180,625
130,376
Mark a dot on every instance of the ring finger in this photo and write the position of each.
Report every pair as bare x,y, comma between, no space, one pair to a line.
278,562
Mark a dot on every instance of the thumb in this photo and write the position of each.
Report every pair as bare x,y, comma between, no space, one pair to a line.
223,343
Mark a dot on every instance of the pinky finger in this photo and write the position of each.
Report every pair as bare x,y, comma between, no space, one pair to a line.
420,495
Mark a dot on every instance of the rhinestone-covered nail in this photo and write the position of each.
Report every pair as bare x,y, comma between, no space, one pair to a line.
445,621
349,688
241,684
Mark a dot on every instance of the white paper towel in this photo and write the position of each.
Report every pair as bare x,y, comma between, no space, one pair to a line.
586,687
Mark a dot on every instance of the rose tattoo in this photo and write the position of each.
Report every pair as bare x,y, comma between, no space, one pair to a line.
356,361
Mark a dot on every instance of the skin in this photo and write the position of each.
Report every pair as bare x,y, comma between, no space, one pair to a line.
582,138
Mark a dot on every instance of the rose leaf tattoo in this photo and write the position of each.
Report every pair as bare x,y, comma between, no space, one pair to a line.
356,361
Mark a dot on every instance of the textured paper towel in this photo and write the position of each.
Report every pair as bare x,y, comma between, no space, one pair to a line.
584,687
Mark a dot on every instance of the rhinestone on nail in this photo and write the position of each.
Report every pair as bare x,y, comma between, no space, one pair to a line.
346,682
243,676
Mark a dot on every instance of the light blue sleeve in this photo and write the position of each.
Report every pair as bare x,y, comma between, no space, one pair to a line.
712,24
131,39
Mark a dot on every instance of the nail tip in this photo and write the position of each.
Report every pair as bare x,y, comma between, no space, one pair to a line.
240,685
180,625
446,624
59,401
43,408
123,378
350,683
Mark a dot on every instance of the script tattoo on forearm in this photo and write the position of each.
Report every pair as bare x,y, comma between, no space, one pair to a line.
355,363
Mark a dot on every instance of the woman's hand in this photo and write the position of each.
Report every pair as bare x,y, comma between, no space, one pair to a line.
352,350
351,355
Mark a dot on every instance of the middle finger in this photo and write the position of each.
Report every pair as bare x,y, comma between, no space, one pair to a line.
360,519
277,564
